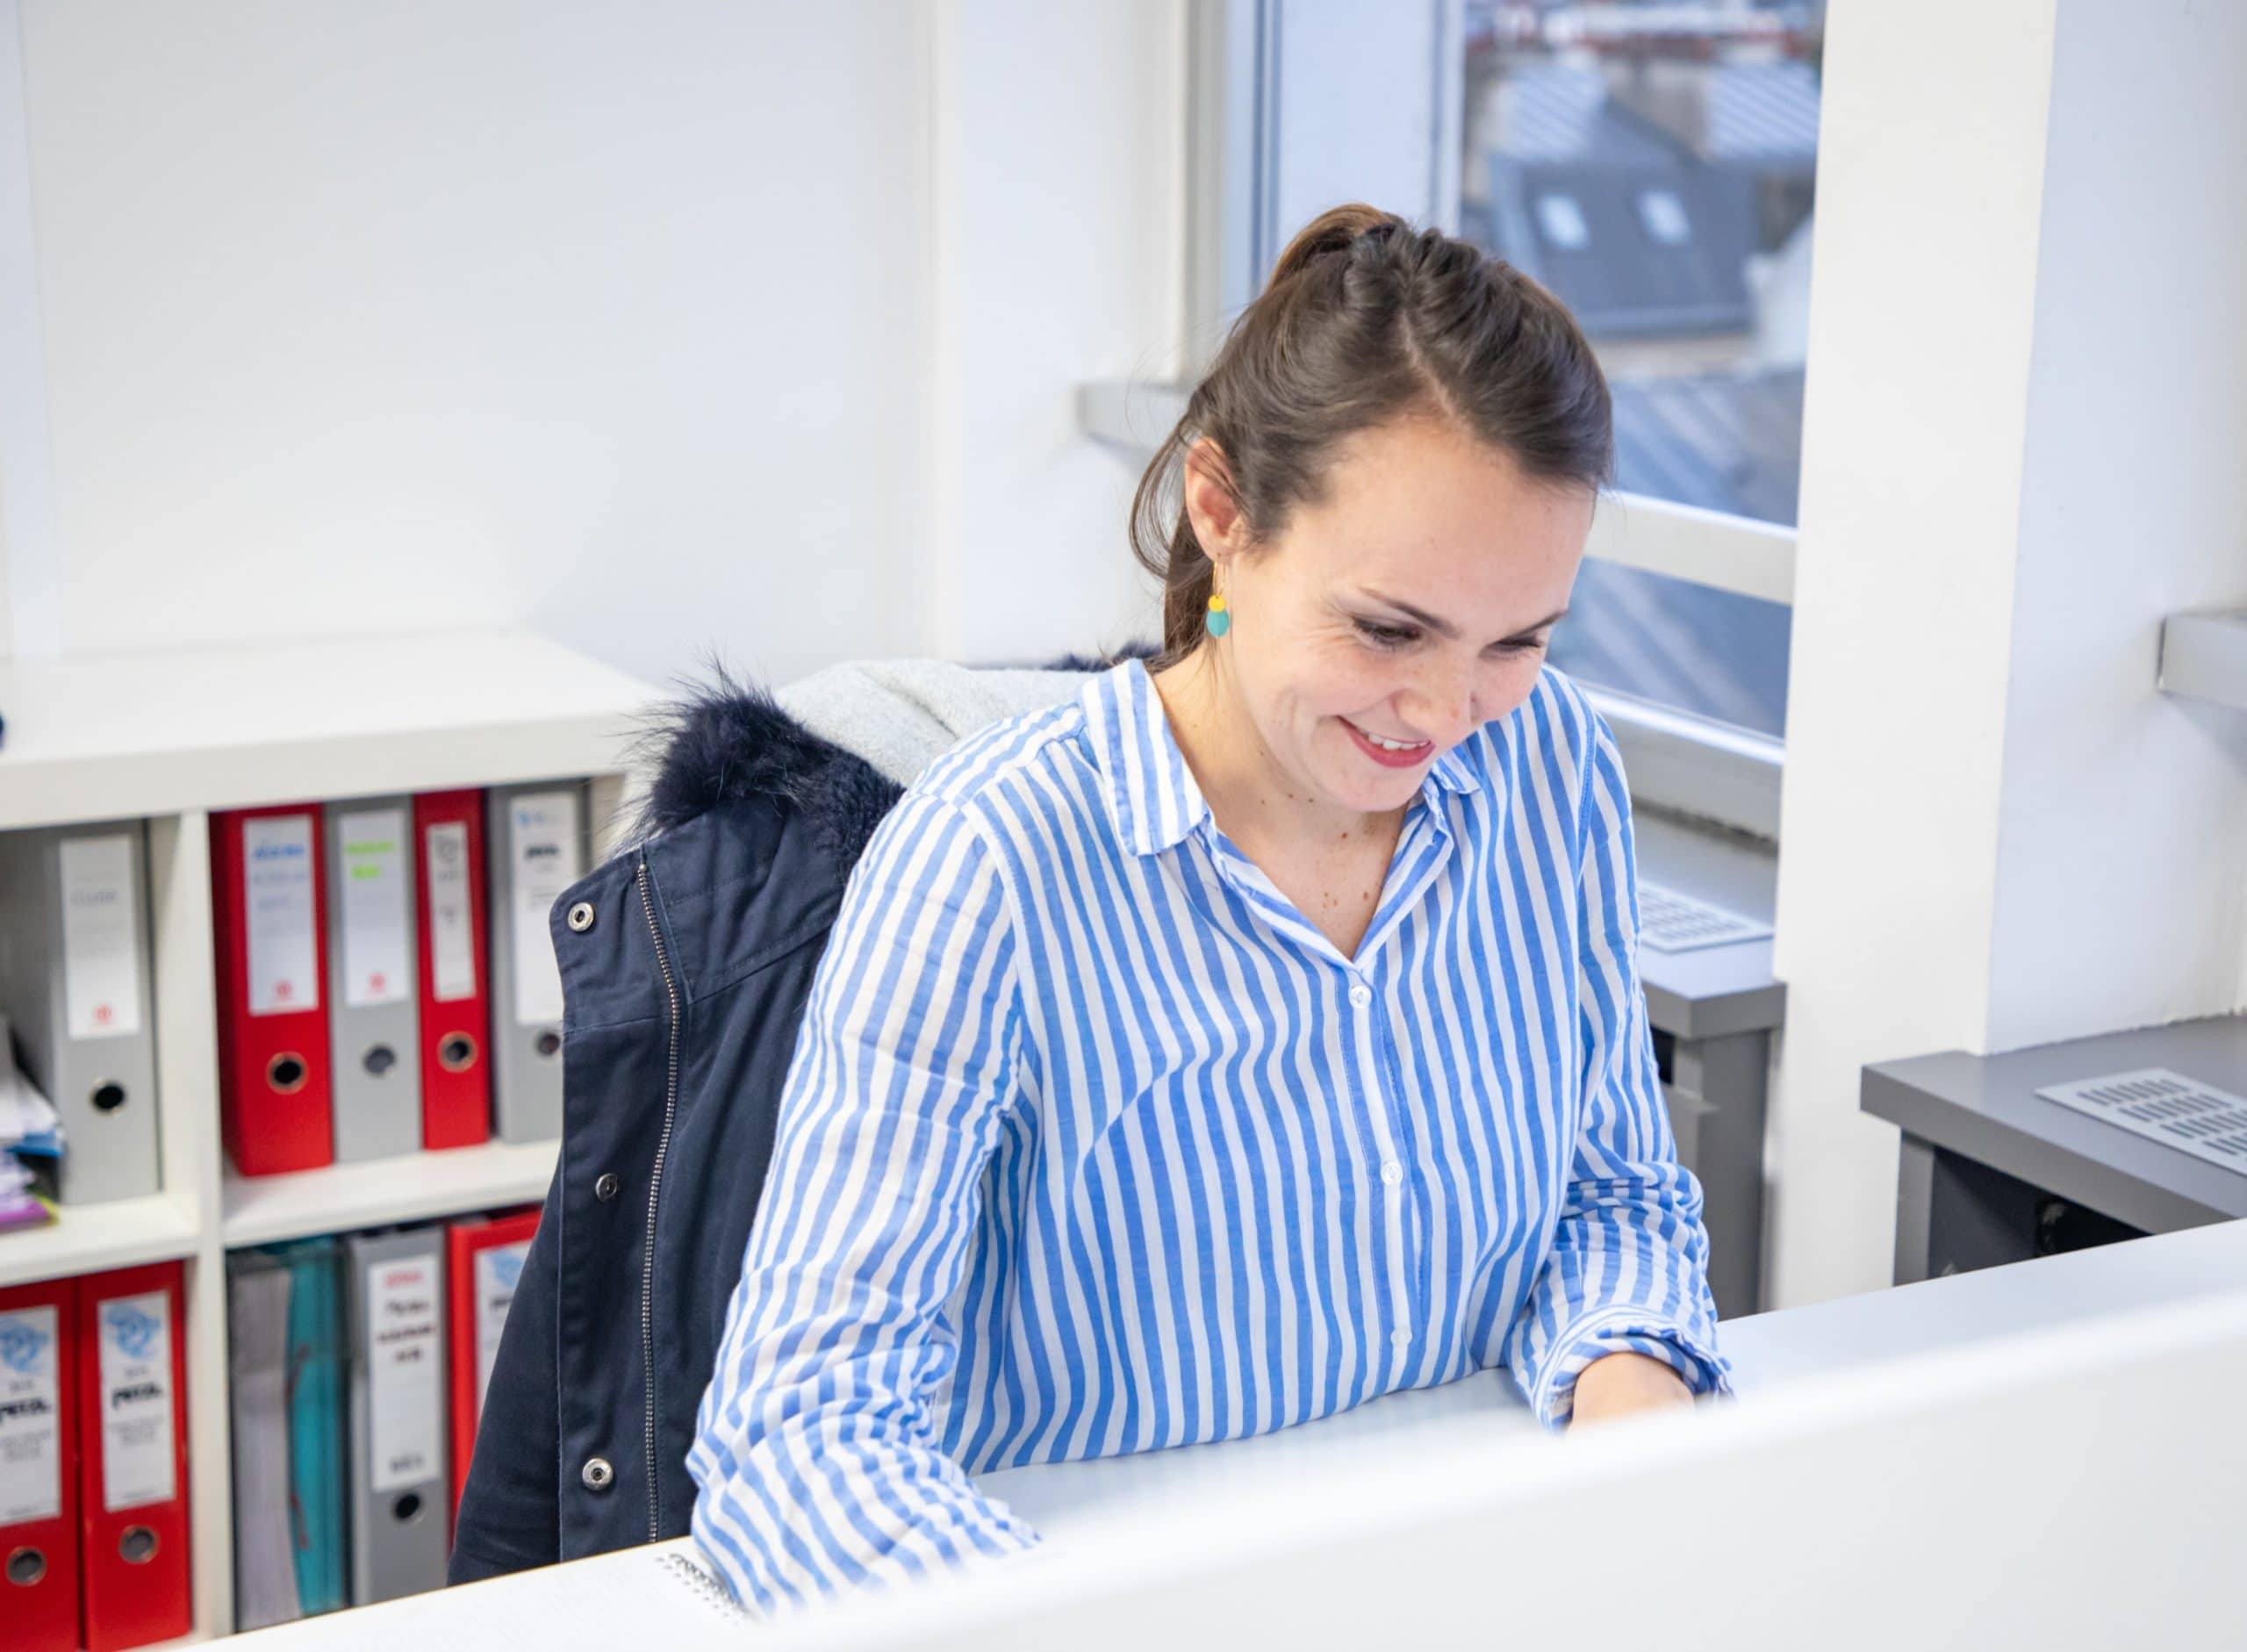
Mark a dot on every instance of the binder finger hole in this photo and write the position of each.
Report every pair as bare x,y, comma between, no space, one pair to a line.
457,1054
137,1544
108,1097
286,1073
380,1059
548,1041
26,1566
406,1508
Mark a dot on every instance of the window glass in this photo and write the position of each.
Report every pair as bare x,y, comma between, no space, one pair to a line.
1653,163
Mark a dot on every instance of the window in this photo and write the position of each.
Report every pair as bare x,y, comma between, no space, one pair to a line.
1654,163
1562,221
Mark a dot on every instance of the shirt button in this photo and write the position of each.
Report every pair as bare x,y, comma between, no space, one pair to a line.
1361,994
1400,1336
1392,1173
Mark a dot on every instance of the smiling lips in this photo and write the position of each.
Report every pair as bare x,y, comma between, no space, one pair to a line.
1389,754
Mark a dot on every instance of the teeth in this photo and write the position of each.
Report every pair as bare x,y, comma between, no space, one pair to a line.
1393,745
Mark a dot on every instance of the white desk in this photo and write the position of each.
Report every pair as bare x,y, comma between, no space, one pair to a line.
1782,1358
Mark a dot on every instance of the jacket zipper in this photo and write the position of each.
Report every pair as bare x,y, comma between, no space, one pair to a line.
654,1191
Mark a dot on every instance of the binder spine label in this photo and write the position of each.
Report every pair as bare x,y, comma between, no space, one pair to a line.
452,943
100,966
545,862
372,855
405,1375
31,1417
277,881
136,1370
497,1271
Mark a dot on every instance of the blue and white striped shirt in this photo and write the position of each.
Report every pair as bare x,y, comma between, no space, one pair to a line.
1093,1144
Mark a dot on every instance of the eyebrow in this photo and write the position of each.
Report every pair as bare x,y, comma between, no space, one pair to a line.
1445,628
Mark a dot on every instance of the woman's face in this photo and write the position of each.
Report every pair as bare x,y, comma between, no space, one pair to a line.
1411,605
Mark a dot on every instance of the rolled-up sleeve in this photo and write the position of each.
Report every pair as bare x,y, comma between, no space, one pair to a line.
1628,1267
816,1453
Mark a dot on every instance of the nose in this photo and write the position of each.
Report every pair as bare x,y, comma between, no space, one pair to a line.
1440,704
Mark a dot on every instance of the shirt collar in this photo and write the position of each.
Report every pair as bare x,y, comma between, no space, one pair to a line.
1151,793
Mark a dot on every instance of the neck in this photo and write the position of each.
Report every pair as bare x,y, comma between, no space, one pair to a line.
1253,798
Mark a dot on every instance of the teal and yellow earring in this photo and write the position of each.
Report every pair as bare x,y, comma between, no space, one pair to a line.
1220,622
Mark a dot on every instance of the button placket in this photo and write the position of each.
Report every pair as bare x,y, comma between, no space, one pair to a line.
1401,1223
1395,1225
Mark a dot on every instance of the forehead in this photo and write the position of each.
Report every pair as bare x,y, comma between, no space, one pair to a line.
1433,515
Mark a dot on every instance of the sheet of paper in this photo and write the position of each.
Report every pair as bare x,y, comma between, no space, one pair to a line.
405,1375
138,1464
277,875
452,941
543,832
101,950
372,853
31,1417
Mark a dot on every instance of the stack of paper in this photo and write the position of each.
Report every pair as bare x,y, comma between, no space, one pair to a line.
31,1139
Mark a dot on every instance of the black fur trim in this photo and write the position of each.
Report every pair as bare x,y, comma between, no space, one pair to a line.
726,741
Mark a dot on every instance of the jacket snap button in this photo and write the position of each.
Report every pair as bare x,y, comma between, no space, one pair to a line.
581,917
605,1189
597,1474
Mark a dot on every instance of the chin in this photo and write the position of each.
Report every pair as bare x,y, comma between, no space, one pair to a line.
1376,792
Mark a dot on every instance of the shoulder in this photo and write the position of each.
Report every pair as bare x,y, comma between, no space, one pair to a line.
1016,780
987,765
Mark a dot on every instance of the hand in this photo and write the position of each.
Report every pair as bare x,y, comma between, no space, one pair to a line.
1616,1384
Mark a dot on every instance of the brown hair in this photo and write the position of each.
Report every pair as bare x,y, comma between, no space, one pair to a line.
1366,321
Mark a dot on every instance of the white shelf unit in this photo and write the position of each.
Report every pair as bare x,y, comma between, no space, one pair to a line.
168,738
342,1198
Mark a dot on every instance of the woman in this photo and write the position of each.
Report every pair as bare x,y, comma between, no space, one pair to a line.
1262,1032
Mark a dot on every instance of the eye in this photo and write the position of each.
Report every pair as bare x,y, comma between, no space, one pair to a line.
1524,646
1387,636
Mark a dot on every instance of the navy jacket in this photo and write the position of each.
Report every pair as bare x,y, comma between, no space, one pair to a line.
682,996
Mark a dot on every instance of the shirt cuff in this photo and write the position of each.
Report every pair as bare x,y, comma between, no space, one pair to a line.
1625,1330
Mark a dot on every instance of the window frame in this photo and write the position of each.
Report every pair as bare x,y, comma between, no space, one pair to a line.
1234,59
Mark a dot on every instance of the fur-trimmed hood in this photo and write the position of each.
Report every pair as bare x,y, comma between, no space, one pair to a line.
839,748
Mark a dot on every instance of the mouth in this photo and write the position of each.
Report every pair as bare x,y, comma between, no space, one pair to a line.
1390,754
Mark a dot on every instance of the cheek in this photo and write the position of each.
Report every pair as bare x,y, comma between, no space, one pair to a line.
1506,686
1351,678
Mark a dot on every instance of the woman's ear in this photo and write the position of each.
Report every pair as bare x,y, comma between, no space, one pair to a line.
1211,505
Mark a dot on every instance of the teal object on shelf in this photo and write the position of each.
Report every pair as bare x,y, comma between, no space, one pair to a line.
319,1479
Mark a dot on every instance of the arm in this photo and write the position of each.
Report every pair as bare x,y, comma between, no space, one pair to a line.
815,1452
1628,1271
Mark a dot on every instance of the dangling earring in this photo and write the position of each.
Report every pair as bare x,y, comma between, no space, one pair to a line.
1220,622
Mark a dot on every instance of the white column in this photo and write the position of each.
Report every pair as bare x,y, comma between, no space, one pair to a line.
2027,405
1058,152
31,575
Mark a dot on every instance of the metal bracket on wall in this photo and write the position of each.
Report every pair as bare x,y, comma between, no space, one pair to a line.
2204,656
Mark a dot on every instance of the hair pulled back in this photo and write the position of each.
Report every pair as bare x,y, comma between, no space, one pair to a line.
1366,321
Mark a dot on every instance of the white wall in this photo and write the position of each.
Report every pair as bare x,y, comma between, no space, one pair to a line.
621,321
2021,447
1059,169
2122,896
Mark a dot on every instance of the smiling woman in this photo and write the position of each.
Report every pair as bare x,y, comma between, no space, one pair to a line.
1386,478
1249,1037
